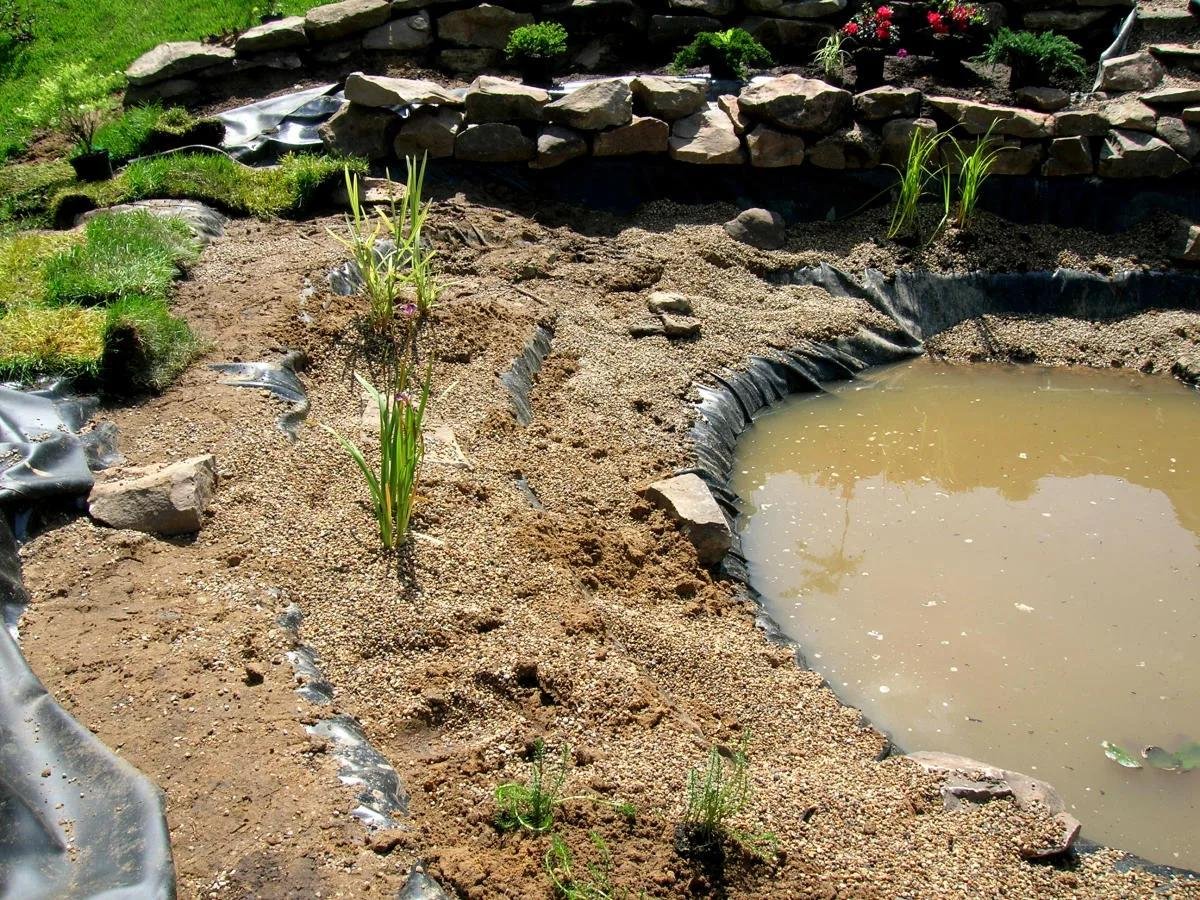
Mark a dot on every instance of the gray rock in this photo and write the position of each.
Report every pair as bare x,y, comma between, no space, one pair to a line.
660,302
790,40
588,18
1132,72
1177,53
795,103
688,500
595,105
491,99
556,144
429,130
797,9
168,499
668,98
1069,156
888,102
1060,19
286,34
484,25
1088,123
1130,114
1187,367
1183,139
493,142
759,228
898,136
649,327
681,327
381,91
704,7
1011,156
173,59
978,118
468,60
360,131
729,105
1135,154
643,135
674,31
706,138
1043,99
850,148
409,33
771,149
338,20
1172,96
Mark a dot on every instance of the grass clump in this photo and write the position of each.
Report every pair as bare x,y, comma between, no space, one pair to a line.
22,258
831,57
530,805
146,129
1036,58
914,178
975,166
146,346
62,340
728,54
594,882
717,793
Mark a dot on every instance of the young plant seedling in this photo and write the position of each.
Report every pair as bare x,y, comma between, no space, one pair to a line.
974,169
594,883
715,794
918,171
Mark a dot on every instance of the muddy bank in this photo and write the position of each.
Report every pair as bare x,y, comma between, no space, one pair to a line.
586,621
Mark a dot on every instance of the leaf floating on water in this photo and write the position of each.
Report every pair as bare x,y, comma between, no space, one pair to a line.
1189,757
1119,756
1160,759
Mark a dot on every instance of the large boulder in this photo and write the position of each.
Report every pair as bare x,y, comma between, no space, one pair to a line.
688,500
673,31
381,91
596,105
789,40
668,98
1131,72
643,135
1009,155
484,25
491,99
851,148
772,149
759,228
979,118
1135,154
493,142
707,138
334,21
173,59
169,499
888,102
588,18
556,144
1069,156
797,9
429,130
285,34
410,33
360,131
795,103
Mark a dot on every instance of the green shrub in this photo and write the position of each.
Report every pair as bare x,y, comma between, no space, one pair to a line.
145,346
1043,59
728,54
73,99
543,42
60,340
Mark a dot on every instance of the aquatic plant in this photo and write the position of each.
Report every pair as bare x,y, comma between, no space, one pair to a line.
974,169
717,793
1186,759
594,883
407,229
377,265
914,178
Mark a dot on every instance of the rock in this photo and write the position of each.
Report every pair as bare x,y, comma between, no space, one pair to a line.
484,25
253,674
599,54
759,228
468,61
651,327
1130,114
687,499
683,327
493,142
381,91
168,499
674,31
888,102
706,138
1069,156
409,33
770,149
556,144
1183,139
798,104
851,148
491,99
1132,72
642,135
1135,154
729,105
1187,368
1043,99
284,34
704,7
978,118
789,40
429,130
1191,115
1060,20
596,17
668,98
360,131
797,9
898,135
1177,53
1190,252
173,59
1088,123
660,302
596,105
338,20
1174,96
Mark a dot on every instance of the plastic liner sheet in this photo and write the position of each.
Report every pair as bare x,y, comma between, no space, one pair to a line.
519,379
277,378
75,820
279,124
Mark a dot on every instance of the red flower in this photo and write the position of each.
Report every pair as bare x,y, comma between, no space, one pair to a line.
937,23
882,32
850,28
884,13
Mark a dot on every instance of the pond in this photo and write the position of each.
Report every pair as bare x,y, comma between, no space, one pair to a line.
1001,562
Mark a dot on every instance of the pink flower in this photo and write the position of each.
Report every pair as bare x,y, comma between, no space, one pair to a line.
408,310
901,53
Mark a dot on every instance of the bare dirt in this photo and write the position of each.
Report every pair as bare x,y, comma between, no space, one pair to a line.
587,622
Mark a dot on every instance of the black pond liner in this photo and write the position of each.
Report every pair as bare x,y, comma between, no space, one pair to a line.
922,304
277,378
520,377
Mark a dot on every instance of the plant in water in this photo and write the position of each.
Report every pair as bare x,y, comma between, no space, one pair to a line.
1040,59
728,54
593,883
831,56
918,170
1186,759
73,99
717,793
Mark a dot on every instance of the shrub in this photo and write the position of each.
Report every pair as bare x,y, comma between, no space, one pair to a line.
75,100
1044,58
40,340
145,346
543,42
728,54
714,796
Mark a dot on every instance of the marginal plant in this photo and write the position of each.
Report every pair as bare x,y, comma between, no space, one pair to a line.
407,229
593,883
974,169
728,54
717,793
377,264
831,56
1036,58
74,99
915,176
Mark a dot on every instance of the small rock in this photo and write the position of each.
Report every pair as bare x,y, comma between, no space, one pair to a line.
1130,114
1134,154
770,148
1069,156
729,105
759,228
1182,138
1132,72
168,499
980,118
898,136
1043,99
360,131
661,302
647,328
1189,251
493,142
680,326
1081,122
429,129
795,103
888,102
253,674
491,99
690,502
381,91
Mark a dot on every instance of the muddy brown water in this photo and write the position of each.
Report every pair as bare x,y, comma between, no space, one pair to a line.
1002,562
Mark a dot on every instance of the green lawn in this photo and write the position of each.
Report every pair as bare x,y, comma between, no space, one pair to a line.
110,34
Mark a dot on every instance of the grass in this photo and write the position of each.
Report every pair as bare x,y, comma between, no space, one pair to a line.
27,191
40,340
22,260
913,180
974,169
531,805
717,793
145,129
146,347
109,35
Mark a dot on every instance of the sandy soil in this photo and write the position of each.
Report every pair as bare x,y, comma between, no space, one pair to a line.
587,622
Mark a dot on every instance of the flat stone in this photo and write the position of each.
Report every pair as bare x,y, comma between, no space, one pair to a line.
491,99
850,148
1131,72
660,302
649,327
360,131
1174,96
888,102
410,33
680,327
493,142
978,118
381,91
556,144
759,228
797,9
285,34
704,7
1069,156
668,98
898,135
728,104
595,105
168,499
1135,154
338,20
1191,115
789,40
795,103
1130,114
1177,53
173,59
706,138
688,500
643,135
1043,99
484,25
771,149
429,130
1182,138
1085,122
674,31
1061,20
